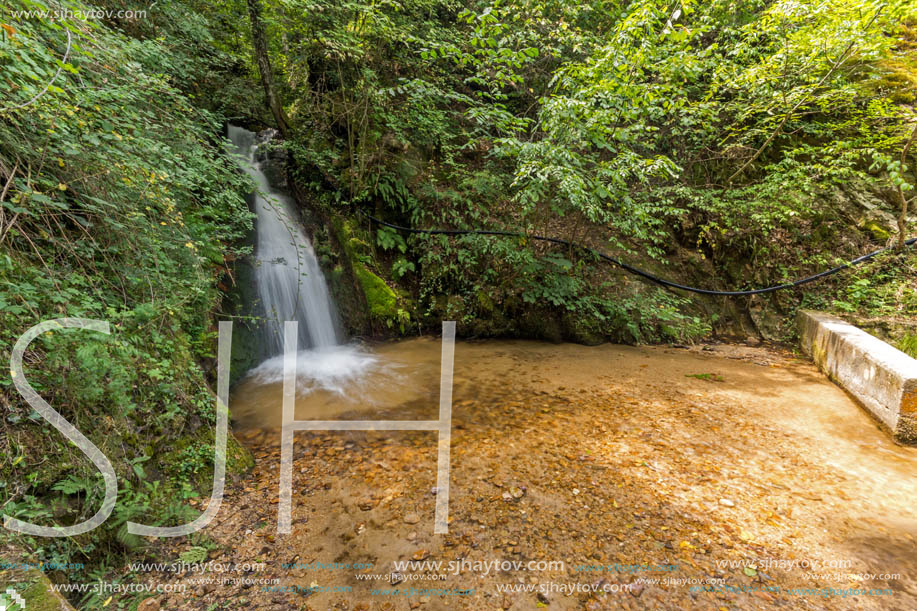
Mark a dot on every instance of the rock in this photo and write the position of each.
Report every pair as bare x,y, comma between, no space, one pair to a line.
878,225
150,604
421,554
517,493
272,159
411,518
397,578
636,589
412,536
727,503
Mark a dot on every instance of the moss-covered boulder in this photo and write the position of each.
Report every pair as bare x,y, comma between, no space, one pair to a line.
31,585
381,300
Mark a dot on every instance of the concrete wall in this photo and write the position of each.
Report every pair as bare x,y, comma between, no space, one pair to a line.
882,378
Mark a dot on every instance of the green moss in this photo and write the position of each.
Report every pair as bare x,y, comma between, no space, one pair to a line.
908,344
238,458
174,461
40,597
34,587
879,233
351,243
358,245
582,330
381,299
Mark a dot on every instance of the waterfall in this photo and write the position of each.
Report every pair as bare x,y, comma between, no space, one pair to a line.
289,281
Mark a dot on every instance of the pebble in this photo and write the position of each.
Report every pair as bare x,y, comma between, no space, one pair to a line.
411,518
150,604
727,503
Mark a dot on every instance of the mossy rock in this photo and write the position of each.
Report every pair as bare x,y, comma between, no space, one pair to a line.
582,330
357,245
541,325
381,299
345,240
485,303
238,459
877,231
34,587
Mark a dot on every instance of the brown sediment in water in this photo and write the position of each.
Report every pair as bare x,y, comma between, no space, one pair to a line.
717,461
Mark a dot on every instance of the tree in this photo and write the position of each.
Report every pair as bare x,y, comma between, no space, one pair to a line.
259,41
902,187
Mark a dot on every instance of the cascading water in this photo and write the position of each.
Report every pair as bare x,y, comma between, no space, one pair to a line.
288,278
290,286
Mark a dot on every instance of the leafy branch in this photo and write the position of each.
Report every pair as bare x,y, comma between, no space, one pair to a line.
848,51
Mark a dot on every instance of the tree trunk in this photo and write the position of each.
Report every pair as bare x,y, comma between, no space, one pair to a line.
259,41
902,218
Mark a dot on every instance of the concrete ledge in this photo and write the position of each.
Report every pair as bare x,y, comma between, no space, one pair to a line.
882,378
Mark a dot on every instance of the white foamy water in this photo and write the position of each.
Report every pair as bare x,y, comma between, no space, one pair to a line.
335,369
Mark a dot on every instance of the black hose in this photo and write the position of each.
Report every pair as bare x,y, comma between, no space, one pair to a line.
634,270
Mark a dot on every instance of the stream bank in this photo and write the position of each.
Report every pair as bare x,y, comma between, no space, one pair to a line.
736,464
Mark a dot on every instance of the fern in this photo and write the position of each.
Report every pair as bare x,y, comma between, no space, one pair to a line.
72,485
194,555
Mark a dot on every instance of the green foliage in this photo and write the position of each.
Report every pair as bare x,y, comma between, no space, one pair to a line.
194,459
887,289
708,377
194,555
908,344
715,132
117,202
729,144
